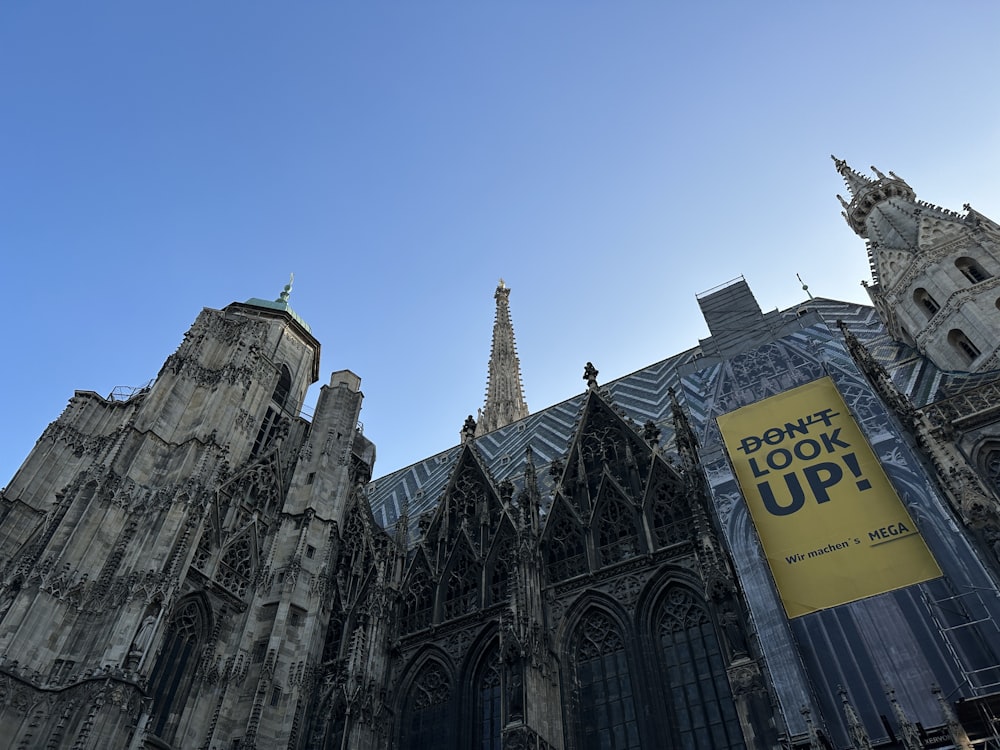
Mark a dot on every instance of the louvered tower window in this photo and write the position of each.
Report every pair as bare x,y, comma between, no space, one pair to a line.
927,303
963,345
971,269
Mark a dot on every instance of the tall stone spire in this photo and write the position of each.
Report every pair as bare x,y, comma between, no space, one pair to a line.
504,392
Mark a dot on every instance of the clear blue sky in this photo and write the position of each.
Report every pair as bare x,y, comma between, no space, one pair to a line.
609,159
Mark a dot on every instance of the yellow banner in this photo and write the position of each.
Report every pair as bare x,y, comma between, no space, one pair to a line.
831,524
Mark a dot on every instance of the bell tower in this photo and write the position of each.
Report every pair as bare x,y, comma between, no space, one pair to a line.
935,272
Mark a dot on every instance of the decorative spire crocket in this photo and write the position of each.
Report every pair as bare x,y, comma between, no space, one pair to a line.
504,392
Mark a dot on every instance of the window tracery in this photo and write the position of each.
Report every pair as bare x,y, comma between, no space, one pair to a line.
462,594
695,674
174,670
487,715
566,548
236,566
504,566
427,722
616,532
671,519
601,446
418,603
605,710
468,496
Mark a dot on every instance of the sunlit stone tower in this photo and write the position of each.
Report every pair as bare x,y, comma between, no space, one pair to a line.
167,553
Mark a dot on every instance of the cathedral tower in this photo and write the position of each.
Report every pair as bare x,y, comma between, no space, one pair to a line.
504,393
935,272
164,552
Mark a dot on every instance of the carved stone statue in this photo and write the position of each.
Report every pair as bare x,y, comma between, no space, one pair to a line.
515,693
468,429
141,642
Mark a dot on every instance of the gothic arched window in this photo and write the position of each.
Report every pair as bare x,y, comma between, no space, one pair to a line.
605,709
971,269
427,721
696,685
173,674
487,713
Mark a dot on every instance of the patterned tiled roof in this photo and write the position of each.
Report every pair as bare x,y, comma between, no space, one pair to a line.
641,396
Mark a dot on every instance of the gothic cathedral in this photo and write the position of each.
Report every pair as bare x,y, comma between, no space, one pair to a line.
786,536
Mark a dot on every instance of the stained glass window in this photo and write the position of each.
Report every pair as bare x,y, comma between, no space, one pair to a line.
606,718
704,714
488,703
427,721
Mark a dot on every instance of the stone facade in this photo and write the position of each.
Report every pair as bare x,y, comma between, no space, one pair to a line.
196,565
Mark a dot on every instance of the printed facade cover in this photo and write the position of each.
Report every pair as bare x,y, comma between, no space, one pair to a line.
831,525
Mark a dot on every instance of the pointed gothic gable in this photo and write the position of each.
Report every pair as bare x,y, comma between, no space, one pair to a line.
604,442
257,484
363,544
894,224
470,497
